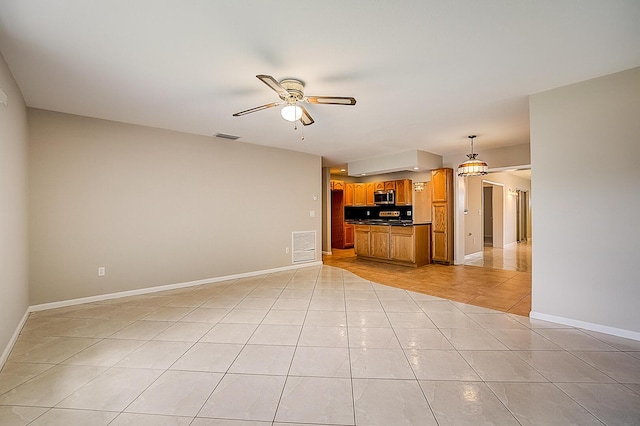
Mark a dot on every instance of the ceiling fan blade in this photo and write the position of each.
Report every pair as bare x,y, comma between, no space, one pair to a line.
274,85
260,108
306,119
331,100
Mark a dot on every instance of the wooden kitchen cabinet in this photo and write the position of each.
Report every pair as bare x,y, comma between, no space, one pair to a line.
441,183
362,240
390,185
442,215
349,235
401,244
370,189
404,192
348,194
337,185
379,242
360,194
378,186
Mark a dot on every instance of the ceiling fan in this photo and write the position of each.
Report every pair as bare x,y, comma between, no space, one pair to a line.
291,92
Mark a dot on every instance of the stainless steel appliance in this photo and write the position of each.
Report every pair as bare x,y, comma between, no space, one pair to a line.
382,198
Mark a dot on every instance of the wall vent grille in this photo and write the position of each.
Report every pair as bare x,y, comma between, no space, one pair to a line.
304,246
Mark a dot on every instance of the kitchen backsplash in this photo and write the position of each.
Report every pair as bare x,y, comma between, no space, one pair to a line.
373,212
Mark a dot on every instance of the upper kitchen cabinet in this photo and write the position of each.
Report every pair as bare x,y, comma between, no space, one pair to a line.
390,185
378,186
337,185
442,215
348,194
360,194
404,192
370,189
441,185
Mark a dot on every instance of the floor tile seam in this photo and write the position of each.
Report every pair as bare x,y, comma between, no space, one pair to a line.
61,399
555,384
150,338
616,349
545,375
26,381
205,400
489,330
506,407
409,365
353,402
591,365
284,386
517,302
81,350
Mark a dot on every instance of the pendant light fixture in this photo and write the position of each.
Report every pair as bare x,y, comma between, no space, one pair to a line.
473,166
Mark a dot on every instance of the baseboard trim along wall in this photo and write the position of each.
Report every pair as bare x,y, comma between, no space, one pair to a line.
71,302
14,338
619,332
79,301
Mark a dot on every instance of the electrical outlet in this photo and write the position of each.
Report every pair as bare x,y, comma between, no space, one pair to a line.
286,250
101,271
312,213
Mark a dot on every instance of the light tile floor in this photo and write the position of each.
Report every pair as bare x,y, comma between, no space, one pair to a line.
316,346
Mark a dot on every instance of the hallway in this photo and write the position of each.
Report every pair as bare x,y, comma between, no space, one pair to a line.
514,257
500,279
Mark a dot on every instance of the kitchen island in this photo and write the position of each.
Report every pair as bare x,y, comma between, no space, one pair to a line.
394,241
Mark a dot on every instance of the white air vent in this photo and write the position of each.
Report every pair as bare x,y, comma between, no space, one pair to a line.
304,246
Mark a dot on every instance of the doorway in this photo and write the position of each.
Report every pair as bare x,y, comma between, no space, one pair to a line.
487,218
493,214
522,216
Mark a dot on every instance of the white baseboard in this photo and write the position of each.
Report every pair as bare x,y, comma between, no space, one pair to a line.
328,253
12,341
79,301
147,290
473,255
627,334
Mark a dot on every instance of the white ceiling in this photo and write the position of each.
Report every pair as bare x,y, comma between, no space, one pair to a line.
425,73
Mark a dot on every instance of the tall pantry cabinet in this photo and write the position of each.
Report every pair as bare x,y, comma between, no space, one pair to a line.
442,215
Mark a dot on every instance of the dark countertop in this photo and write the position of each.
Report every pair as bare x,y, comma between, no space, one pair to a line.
386,222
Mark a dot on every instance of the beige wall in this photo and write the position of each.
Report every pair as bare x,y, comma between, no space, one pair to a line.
586,178
14,296
473,222
157,207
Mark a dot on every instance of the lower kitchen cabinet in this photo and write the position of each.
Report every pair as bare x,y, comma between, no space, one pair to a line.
380,241
362,240
348,235
403,245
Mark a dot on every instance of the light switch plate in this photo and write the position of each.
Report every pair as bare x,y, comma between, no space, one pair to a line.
4,99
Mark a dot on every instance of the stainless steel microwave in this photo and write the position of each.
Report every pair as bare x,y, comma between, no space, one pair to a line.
384,197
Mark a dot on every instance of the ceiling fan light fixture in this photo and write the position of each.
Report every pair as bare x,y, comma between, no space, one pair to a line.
473,166
291,112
